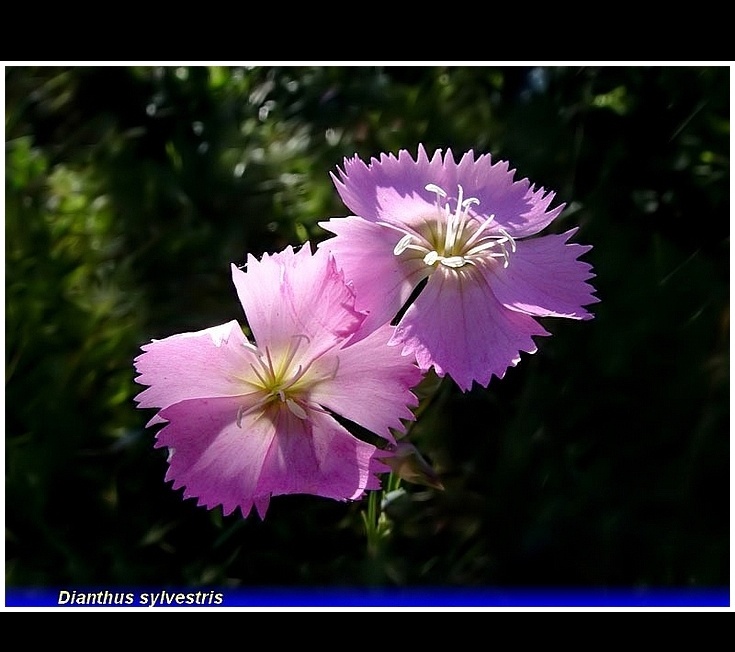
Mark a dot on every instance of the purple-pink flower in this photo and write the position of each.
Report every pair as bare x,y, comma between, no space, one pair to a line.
246,421
463,228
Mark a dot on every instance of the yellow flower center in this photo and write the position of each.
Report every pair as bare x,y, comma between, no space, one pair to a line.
277,381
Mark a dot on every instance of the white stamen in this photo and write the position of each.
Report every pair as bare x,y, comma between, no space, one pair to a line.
443,239
454,261
488,244
300,371
295,408
402,244
293,348
243,412
510,238
488,222
262,380
431,258
434,188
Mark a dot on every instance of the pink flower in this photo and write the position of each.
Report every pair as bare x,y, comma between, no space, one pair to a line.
246,421
460,227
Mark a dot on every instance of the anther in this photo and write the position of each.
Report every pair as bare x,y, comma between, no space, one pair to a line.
295,408
431,187
454,262
431,258
402,244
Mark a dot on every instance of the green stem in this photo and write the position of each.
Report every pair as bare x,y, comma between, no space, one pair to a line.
375,521
371,520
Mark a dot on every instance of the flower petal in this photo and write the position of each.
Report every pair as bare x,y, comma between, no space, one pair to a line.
193,365
517,207
536,215
359,184
270,454
457,326
383,282
544,278
216,461
292,294
393,189
318,456
372,385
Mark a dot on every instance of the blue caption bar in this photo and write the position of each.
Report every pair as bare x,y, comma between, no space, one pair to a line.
361,597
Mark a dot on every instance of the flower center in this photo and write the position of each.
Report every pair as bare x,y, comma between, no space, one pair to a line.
278,381
456,238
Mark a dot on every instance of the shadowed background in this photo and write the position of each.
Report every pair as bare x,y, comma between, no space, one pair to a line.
600,461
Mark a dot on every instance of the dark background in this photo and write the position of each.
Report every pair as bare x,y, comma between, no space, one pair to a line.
600,461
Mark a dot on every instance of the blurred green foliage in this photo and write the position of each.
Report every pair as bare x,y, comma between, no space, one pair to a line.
600,461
